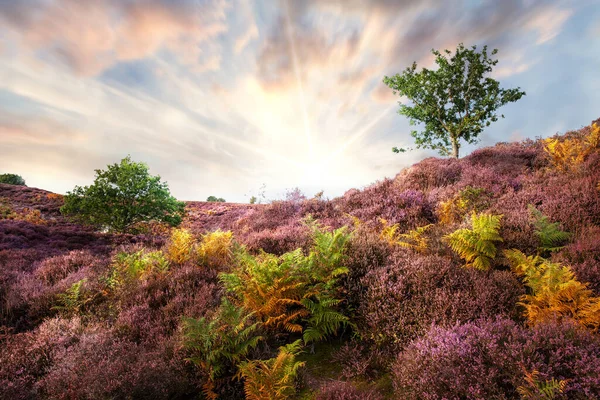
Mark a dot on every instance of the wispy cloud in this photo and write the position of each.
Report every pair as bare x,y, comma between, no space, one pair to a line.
220,96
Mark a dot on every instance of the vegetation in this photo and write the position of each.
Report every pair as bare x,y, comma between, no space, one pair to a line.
370,302
476,246
455,102
12,179
215,199
121,196
549,233
274,378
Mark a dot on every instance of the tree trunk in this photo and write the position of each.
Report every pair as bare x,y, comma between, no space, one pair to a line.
455,147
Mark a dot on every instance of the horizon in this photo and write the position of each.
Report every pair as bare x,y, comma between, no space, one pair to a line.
220,97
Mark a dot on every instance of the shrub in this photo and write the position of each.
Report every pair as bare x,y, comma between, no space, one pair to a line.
403,299
340,390
121,196
476,245
12,179
214,199
484,360
101,366
274,378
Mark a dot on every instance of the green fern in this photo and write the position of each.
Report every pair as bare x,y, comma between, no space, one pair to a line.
222,342
324,319
72,300
476,245
549,233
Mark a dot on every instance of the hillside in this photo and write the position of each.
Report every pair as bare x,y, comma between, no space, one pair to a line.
87,315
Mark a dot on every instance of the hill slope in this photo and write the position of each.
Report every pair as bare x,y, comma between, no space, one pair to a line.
94,315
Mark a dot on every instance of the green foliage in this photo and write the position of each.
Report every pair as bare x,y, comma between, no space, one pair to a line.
140,265
454,102
549,233
123,195
215,199
72,301
555,292
220,343
272,379
253,200
476,245
536,389
325,320
12,179
294,291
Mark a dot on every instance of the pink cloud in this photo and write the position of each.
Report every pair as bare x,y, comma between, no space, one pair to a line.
90,36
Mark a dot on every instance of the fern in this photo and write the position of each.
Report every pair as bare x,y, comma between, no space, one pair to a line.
140,265
455,208
180,245
272,379
216,249
555,293
476,245
269,287
72,300
219,344
292,291
549,233
415,239
535,389
324,319
567,153
388,232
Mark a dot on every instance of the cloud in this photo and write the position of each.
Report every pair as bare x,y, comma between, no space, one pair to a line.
90,36
28,130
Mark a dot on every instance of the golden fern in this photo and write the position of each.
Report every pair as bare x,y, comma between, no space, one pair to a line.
566,153
215,249
415,239
555,292
272,379
388,232
476,245
179,246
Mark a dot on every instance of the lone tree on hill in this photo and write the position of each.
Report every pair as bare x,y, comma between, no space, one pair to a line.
123,195
12,179
454,102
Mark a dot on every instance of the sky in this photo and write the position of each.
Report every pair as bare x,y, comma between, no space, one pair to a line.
223,97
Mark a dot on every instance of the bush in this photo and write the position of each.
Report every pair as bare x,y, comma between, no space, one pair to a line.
339,390
12,179
484,360
403,299
122,196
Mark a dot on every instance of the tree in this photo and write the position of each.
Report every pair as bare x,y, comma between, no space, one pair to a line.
123,195
454,102
12,179
215,199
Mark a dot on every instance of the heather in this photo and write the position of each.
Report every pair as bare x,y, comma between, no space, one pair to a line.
472,278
